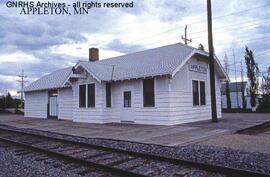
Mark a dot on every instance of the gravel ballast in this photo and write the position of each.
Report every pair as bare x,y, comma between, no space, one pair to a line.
17,162
252,161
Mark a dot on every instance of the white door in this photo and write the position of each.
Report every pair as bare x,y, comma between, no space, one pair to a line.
127,106
53,106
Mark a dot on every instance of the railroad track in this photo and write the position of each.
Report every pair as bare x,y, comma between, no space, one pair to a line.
114,161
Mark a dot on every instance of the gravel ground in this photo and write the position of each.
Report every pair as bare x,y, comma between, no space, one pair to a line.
248,143
229,157
14,164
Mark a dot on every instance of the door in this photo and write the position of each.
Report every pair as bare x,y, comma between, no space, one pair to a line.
53,111
53,104
127,109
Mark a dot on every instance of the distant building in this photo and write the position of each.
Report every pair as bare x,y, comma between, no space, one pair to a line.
236,95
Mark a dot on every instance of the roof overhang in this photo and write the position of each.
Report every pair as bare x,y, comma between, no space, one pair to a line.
43,89
204,55
74,77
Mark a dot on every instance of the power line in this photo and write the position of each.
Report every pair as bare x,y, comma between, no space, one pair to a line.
220,44
239,12
260,48
262,53
235,24
233,29
217,45
201,21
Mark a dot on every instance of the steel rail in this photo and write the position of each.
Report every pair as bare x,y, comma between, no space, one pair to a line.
207,167
109,169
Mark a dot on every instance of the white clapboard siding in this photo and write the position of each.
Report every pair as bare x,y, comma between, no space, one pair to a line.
218,97
141,115
180,96
65,103
173,100
91,115
36,104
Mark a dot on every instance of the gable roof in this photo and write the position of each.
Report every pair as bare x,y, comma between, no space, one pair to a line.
166,60
50,81
153,62
234,87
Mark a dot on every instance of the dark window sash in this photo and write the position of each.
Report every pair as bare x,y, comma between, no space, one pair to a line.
91,95
108,95
202,93
195,92
127,99
149,92
82,96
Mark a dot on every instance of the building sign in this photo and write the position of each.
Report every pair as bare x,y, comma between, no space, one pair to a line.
198,68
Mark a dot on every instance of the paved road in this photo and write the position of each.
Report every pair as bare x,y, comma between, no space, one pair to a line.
176,135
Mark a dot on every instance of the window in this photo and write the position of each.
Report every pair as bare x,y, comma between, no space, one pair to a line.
198,89
127,99
148,93
195,88
202,92
82,96
108,95
91,95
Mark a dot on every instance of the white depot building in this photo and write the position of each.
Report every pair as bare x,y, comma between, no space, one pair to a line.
165,86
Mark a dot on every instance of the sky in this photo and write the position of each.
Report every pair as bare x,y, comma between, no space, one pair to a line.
40,44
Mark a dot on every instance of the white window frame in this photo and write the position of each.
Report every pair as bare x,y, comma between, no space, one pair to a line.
86,94
155,93
199,92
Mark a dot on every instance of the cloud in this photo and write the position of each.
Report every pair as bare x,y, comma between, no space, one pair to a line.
117,45
7,84
171,9
26,35
18,57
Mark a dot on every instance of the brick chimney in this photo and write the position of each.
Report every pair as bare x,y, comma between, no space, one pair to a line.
93,54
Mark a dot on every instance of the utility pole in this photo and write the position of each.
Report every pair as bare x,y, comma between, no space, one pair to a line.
184,38
228,94
235,77
226,65
22,81
243,89
6,99
211,62
263,79
242,77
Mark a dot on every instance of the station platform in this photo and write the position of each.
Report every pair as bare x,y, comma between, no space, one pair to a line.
176,135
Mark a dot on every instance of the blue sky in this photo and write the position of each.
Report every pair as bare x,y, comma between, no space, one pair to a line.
42,44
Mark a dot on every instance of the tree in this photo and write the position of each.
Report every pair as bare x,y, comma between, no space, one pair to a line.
252,72
201,47
2,102
9,100
6,101
266,83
